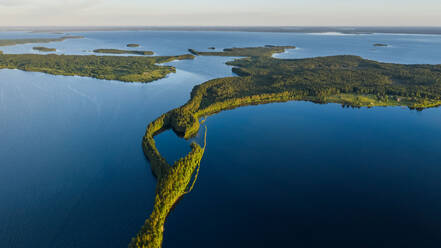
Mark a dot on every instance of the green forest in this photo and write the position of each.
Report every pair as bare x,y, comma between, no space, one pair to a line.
122,68
348,80
118,51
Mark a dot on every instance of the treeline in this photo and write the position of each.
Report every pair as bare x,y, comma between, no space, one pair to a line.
127,69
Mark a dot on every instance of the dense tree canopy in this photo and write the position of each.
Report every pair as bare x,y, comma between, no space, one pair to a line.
128,68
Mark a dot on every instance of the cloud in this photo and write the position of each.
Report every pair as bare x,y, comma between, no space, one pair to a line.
213,12
8,3
59,5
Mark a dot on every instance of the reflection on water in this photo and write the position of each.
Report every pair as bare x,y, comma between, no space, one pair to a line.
72,172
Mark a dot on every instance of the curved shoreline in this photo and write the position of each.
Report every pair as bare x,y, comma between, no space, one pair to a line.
231,92
141,69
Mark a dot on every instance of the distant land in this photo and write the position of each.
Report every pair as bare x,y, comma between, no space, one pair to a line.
12,42
119,51
284,29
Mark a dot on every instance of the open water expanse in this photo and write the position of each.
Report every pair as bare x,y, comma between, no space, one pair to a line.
296,174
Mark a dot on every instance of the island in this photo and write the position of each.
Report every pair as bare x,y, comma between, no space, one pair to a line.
212,48
380,45
11,42
132,45
347,80
122,68
245,52
44,49
118,51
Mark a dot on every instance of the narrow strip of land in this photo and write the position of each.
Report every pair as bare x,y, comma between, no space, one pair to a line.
118,51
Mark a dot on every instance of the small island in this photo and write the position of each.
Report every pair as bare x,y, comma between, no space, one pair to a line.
44,49
212,48
245,52
132,45
380,45
11,42
118,51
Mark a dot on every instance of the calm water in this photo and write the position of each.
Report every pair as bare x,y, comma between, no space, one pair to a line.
72,172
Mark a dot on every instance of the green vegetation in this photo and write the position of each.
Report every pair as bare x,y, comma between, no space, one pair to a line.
44,49
117,51
380,45
132,45
174,181
245,52
127,68
11,42
348,80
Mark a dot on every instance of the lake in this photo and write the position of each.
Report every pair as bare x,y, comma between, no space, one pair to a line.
296,174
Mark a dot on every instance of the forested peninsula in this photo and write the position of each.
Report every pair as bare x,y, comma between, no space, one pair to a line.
11,42
348,80
122,68
118,51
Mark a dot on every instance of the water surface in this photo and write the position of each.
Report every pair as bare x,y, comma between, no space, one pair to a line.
73,174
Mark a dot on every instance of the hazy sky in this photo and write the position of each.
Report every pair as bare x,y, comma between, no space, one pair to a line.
221,12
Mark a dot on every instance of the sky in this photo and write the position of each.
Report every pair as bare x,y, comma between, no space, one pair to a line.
220,13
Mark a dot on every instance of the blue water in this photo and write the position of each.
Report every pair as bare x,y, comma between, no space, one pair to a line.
72,171
304,175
